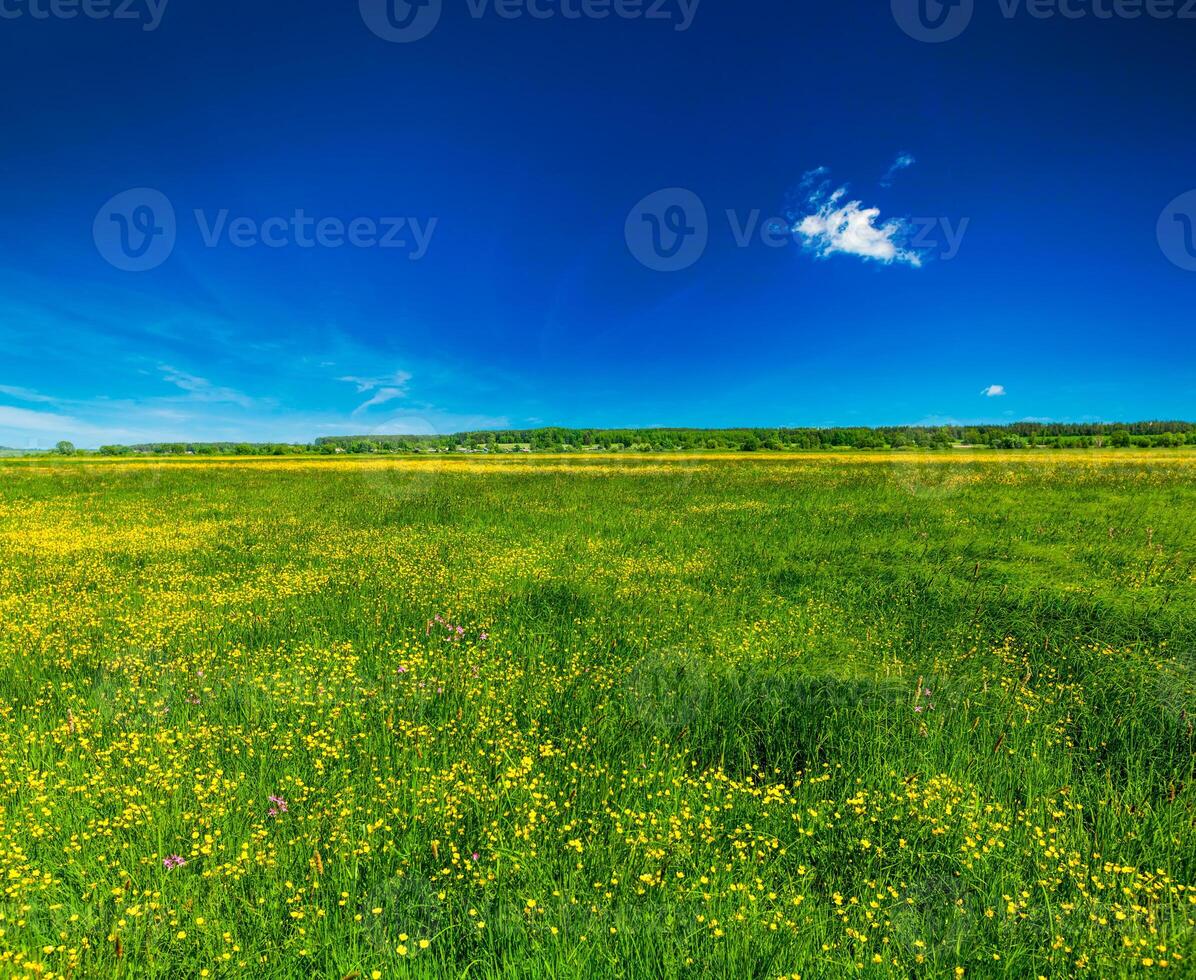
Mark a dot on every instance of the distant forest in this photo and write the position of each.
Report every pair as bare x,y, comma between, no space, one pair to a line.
1017,436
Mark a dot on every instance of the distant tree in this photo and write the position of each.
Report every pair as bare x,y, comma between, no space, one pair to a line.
65,448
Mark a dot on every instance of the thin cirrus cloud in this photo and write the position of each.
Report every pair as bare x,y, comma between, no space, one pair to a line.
40,428
201,389
156,386
26,394
26,418
903,162
397,380
381,397
994,391
831,225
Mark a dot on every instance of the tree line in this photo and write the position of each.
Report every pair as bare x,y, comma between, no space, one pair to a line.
1015,436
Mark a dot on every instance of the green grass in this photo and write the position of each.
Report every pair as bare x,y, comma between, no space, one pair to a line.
689,744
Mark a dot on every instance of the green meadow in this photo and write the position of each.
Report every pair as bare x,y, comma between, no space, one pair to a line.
742,715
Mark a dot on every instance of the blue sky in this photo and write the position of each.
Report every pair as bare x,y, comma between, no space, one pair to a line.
988,210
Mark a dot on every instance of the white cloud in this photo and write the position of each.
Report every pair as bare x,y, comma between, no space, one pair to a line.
831,225
903,162
27,419
852,229
994,391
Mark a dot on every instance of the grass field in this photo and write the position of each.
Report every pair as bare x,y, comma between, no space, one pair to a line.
752,716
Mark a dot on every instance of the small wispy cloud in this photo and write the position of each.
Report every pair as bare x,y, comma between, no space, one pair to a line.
903,162
994,391
201,389
810,177
398,381
831,225
381,397
385,388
